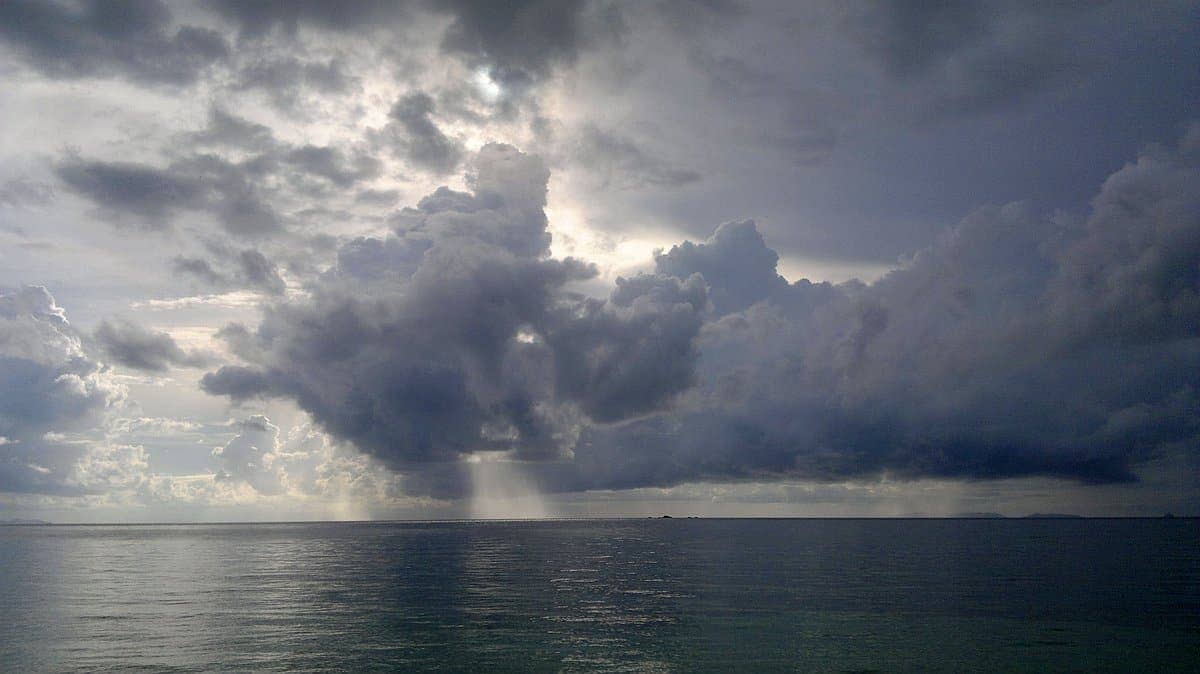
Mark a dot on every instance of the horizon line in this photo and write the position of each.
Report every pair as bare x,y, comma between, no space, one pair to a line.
461,520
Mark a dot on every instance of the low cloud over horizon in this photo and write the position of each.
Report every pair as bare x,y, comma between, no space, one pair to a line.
271,261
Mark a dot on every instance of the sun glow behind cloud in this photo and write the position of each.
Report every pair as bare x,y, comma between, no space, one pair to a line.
488,88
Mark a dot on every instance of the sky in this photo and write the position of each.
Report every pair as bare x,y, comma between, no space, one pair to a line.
366,259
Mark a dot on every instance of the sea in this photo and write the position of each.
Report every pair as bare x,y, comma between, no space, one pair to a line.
631,595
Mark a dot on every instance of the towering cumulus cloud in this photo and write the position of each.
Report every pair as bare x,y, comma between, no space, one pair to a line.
50,389
457,333
1014,346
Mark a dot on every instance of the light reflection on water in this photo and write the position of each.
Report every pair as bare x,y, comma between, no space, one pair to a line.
634,595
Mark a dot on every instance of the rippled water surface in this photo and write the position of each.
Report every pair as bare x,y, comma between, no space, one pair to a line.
629,595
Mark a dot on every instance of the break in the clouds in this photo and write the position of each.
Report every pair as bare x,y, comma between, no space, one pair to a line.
390,258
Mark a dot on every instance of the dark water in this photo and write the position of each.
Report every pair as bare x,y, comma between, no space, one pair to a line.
629,595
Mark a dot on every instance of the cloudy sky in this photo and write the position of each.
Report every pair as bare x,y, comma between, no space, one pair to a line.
372,259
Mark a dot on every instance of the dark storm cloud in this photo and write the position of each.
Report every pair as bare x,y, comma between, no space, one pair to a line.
910,37
1017,345
456,333
839,154
630,355
738,266
413,135
973,56
1014,345
95,38
132,345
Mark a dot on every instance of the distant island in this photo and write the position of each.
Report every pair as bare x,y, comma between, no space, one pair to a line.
19,520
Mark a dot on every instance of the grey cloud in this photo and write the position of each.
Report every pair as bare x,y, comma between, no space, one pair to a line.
909,37
227,129
200,268
287,79
1015,346
413,136
737,263
839,155
149,193
619,163
302,462
519,42
239,193
50,388
248,268
257,17
135,346
331,164
368,258
91,38
22,192
1132,276
242,342
251,456
237,382
153,195
629,356
233,195
456,333
256,271
234,169
505,210
270,157
973,56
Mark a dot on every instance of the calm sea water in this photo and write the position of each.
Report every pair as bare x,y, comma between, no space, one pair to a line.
626,595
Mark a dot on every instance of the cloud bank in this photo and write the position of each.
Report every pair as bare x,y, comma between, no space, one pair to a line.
1016,345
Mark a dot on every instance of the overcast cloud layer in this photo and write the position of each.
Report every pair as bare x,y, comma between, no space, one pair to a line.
384,259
